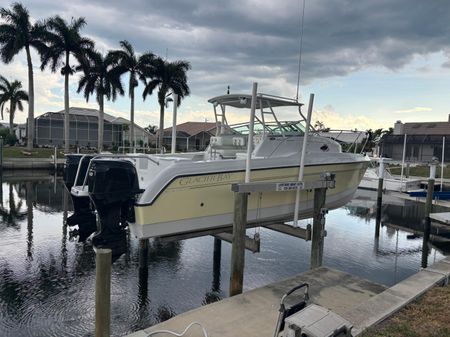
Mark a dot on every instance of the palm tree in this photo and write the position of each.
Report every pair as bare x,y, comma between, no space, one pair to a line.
17,33
102,78
128,61
168,77
64,39
11,92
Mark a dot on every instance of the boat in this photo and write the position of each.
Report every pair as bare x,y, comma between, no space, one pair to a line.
169,194
390,182
437,195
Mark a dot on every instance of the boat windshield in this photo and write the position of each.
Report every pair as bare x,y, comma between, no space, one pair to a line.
283,128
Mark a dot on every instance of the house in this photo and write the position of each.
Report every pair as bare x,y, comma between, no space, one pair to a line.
83,129
423,141
191,136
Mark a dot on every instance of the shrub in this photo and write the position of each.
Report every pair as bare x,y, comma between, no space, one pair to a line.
10,139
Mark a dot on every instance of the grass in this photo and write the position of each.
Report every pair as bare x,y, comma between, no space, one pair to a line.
22,152
426,317
420,171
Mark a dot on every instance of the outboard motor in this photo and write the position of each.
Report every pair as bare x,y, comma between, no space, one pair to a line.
71,167
83,214
113,185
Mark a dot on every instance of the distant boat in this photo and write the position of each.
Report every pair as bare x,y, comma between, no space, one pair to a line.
440,195
390,182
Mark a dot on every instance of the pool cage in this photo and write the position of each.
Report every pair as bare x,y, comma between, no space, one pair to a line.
83,130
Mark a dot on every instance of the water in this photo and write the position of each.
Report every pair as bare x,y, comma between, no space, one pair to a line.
47,277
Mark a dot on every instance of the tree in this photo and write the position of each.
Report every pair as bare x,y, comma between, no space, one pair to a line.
151,129
103,79
168,77
64,39
128,62
12,93
17,33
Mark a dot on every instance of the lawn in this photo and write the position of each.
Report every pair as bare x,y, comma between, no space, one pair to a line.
420,171
22,152
426,317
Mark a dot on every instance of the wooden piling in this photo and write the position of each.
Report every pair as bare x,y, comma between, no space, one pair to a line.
143,253
103,258
379,206
217,248
1,152
427,222
318,232
216,264
238,245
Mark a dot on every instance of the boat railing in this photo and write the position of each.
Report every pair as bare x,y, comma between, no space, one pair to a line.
351,137
128,156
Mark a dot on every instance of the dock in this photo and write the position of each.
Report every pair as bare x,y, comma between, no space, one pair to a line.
254,313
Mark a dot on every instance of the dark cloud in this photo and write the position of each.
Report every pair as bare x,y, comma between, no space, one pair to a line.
237,42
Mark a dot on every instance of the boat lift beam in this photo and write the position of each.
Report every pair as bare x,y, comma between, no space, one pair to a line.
252,245
241,193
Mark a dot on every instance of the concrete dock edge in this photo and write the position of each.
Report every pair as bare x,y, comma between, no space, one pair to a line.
381,306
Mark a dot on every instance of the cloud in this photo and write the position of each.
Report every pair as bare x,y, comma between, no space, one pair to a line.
237,42
414,110
343,121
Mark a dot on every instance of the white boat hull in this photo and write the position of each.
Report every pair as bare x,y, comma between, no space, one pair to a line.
201,202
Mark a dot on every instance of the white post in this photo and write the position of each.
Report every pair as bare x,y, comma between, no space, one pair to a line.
302,158
433,169
56,160
403,161
381,169
442,162
250,133
174,123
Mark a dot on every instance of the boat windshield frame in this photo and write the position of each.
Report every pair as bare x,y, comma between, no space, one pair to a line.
265,104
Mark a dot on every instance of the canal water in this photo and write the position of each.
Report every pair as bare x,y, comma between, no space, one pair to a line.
47,275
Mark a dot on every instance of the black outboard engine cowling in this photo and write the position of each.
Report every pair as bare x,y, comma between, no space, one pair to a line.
113,185
83,214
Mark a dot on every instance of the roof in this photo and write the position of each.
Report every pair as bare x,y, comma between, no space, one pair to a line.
91,114
193,128
427,128
414,139
243,101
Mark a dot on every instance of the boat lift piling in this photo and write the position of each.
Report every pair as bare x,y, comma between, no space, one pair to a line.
379,196
442,162
428,209
403,158
103,259
241,193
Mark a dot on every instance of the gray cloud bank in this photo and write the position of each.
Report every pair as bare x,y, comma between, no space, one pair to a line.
237,42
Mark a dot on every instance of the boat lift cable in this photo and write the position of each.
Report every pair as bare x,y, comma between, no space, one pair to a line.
205,334
300,51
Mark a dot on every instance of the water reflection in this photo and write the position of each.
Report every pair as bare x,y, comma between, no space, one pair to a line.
47,268
12,213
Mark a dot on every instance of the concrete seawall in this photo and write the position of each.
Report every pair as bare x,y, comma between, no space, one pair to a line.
31,163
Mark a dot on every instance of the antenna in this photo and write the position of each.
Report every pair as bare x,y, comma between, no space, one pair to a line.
300,51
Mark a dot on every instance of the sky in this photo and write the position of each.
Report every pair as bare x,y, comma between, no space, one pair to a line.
368,63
